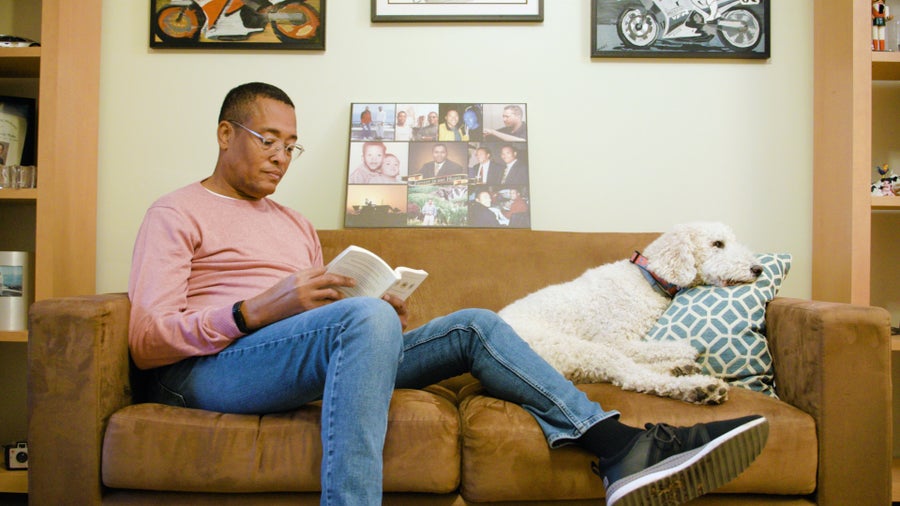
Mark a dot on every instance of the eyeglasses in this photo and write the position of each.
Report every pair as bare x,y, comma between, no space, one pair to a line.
271,145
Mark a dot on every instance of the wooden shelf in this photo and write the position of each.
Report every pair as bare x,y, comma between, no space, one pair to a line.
886,65
885,202
20,61
13,336
895,474
25,194
16,482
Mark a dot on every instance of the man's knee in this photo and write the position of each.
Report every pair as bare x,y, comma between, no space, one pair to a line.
374,321
478,317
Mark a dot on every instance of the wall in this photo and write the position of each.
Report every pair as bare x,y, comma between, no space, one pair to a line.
614,145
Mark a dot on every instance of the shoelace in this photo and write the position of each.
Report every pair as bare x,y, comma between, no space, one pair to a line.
665,437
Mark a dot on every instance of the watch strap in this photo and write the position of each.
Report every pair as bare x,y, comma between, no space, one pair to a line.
239,317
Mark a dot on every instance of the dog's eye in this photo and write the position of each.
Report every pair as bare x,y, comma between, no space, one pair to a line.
718,244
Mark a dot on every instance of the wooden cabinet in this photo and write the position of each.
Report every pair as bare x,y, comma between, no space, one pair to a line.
856,237
57,220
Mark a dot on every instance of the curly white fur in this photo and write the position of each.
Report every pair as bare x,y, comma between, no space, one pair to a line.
593,328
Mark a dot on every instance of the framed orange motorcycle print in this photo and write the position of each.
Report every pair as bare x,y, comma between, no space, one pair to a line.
238,24
680,28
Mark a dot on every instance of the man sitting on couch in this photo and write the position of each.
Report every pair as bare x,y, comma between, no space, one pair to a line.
233,311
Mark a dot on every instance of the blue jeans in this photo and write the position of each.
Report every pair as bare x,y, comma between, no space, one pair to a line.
351,354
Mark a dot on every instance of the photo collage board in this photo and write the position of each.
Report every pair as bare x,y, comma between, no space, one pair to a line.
438,165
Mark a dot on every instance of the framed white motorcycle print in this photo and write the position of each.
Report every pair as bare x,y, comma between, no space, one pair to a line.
680,28
237,24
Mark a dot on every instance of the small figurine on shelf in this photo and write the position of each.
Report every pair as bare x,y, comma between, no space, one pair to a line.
889,183
881,14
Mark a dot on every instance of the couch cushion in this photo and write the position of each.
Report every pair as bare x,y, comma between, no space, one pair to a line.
506,457
203,451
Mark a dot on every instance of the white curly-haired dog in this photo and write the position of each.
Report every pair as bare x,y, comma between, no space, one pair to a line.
594,328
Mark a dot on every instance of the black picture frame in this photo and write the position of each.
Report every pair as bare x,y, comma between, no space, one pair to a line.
18,130
672,29
285,25
449,10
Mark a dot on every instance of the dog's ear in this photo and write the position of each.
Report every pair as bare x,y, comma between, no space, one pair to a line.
671,256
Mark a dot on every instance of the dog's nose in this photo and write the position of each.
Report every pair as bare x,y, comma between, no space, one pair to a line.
756,270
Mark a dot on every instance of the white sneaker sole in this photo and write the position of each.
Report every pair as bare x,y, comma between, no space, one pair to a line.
691,474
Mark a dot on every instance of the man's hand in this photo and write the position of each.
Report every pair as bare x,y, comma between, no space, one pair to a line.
299,292
399,306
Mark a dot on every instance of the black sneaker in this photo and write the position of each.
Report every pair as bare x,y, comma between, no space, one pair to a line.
666,466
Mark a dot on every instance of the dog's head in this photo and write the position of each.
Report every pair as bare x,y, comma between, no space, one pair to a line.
702,253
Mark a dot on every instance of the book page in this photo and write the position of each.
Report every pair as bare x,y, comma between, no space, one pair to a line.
373,276
410,279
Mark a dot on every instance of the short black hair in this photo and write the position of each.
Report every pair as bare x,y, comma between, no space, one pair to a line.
236,106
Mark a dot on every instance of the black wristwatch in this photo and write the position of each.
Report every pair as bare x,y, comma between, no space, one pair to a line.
239,317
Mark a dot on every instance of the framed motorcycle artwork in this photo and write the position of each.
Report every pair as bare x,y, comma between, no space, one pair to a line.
238,24
680,29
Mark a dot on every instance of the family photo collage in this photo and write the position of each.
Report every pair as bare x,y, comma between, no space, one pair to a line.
438,165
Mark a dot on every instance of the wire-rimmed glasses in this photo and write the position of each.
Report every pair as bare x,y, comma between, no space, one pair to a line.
271,145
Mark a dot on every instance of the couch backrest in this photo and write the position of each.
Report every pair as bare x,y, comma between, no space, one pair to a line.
486,268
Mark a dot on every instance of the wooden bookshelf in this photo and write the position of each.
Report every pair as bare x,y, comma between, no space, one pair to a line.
15,482
20,62
56,220
16,336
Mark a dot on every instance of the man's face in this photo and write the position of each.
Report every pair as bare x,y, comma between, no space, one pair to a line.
372,157
249,171
432,118
452,118
439,153
401,118
481,156
510,118
507,154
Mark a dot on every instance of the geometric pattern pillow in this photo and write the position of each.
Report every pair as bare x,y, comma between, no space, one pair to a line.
727,326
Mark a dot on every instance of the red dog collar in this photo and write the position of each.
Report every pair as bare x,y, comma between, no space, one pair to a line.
666,288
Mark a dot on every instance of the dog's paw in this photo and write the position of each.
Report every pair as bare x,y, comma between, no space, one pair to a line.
686,369
712,394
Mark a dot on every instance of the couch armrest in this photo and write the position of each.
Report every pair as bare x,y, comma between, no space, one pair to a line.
833,361
78,377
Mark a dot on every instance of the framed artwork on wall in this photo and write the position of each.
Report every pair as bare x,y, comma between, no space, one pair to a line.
438,165
457,10
238,24
680,29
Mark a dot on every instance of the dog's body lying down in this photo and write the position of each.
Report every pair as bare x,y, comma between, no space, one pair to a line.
593,328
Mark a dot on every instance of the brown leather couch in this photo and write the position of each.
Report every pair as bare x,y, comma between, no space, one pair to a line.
92,441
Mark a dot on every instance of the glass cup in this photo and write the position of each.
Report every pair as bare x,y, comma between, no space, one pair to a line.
26,176
8,177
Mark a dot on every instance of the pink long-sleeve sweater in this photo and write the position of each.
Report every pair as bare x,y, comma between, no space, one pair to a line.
196,254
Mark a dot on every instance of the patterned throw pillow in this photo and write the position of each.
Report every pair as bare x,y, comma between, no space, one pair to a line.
727,326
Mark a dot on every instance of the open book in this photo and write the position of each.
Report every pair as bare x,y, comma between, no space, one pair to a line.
374,277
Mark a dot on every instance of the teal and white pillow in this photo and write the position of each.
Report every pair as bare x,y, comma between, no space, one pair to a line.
727,326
